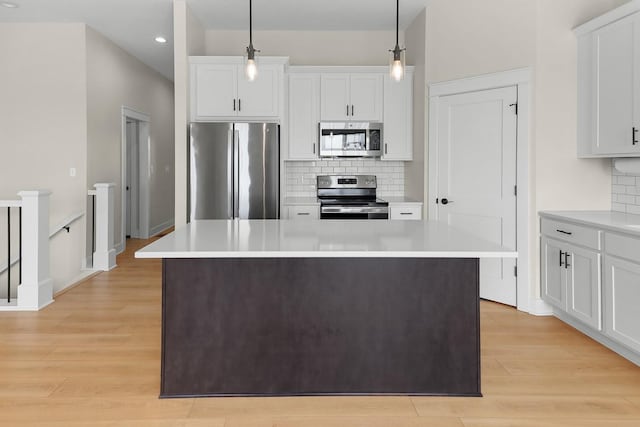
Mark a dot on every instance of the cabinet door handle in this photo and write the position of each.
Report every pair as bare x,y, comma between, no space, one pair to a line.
561,253
566,259
351,110
386,148
568,233
634,140
239,104
304,213
405,213
314,148
347,109
234,104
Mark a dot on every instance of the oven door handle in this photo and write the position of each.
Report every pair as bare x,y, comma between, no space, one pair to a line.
355,210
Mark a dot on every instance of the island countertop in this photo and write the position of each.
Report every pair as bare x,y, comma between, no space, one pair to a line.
321,239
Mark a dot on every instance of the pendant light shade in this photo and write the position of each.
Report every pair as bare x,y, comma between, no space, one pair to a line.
397,60
251,66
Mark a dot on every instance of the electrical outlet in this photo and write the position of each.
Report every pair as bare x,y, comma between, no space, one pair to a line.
72,172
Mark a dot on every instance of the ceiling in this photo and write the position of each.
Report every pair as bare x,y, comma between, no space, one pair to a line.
133,24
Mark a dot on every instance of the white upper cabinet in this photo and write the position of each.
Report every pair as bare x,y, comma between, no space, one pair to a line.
213,90
335,99
304,116
220,90
355,96
398,118
366,97
609,85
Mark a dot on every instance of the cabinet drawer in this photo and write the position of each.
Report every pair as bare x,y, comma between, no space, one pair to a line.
572,233
303,212
622,246
405,212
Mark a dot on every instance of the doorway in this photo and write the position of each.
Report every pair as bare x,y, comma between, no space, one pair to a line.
135,176
476,169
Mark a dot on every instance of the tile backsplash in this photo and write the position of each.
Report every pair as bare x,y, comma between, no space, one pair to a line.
625,194
301,176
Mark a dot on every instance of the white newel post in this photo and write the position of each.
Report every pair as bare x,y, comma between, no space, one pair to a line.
36,289
104,258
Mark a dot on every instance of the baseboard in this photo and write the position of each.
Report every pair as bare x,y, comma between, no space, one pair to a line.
161,227
538,307
78,280
623,351
119,248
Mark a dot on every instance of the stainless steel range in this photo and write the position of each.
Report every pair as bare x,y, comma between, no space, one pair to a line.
350,197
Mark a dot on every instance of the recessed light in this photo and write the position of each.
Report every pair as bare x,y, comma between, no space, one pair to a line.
8,4
161,39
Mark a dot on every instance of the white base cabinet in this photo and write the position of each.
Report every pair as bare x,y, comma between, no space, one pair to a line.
571,280
303,212
591,277
405,211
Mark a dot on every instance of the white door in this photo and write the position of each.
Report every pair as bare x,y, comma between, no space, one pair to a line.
334,97
366,97
258,98
215,90
132,180
476,177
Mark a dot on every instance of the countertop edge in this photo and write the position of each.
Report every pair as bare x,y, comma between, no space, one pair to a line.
328,254
569,216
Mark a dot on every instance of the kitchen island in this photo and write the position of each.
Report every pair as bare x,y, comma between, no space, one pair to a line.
268,307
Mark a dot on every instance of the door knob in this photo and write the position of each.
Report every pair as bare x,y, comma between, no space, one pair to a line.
445,201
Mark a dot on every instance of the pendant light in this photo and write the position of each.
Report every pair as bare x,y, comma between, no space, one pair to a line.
251,67
396,63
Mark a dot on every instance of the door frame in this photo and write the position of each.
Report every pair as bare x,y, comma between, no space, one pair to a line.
144,170
520,78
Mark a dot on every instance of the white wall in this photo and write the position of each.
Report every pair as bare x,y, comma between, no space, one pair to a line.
308,47
43,128
188,39
467,38
116,79
416,171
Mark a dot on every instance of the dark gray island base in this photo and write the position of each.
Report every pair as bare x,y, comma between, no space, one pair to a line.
320,326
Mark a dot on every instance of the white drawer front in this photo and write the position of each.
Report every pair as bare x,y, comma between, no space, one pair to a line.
303,212
576,234
622,246
405,212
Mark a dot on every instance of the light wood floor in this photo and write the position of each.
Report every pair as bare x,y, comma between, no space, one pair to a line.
92,358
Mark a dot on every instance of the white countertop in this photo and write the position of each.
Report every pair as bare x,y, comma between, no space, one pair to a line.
609,220
321,239
292,201
399,199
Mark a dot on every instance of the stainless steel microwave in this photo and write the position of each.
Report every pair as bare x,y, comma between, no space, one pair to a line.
350,139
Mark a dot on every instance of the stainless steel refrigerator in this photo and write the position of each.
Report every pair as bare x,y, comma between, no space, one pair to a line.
234,171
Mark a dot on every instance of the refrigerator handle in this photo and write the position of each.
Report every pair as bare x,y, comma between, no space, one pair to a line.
231,169
236,178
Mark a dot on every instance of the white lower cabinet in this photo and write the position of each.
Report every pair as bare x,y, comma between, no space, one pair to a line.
571,280
405,211
303,212
592,279
622,293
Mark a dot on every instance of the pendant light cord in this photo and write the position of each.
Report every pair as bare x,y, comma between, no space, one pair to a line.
397,20
251,25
